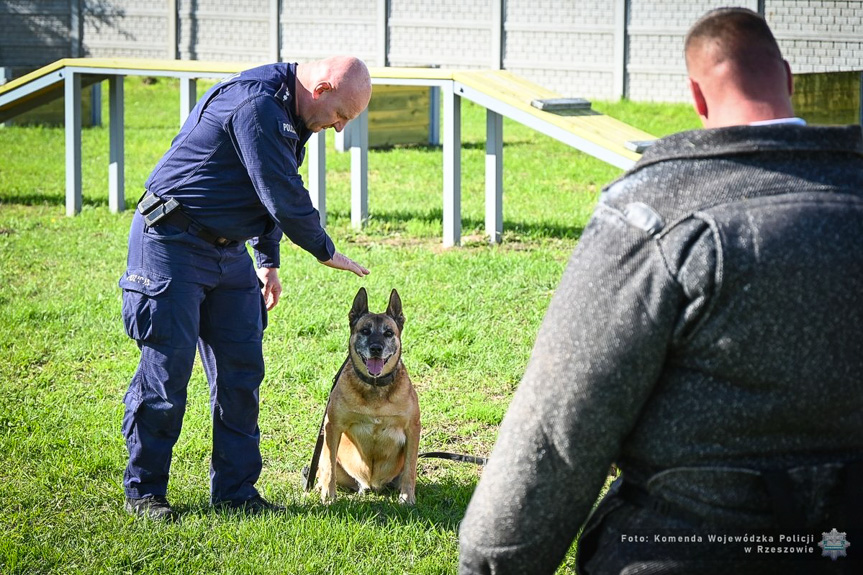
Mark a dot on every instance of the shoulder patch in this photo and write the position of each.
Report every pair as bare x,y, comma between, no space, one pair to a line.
643,217
283,94
287,129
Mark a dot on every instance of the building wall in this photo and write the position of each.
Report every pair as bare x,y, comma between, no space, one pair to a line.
818,36
224,30
126,29
600,49
567,46
320,28
443,33
33,34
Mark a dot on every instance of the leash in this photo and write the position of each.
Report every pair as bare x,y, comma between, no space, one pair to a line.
455,457
311,470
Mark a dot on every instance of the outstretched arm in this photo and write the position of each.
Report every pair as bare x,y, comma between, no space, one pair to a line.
340,261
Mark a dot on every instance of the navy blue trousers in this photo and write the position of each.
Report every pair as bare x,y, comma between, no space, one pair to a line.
180,294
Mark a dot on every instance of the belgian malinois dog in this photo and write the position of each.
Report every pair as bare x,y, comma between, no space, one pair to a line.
372,421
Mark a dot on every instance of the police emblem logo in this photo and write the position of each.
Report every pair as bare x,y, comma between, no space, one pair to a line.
834,544
283,94
287,129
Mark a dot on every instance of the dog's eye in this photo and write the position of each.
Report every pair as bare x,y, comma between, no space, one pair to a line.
366,331
388,333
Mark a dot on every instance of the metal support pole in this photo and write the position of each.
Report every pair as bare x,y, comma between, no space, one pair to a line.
451,169
173,25
96,104
493,176
383,31
317,148
116,167
76,28
434,116
188,97
621,8
497,34
360,170
275,30
72,102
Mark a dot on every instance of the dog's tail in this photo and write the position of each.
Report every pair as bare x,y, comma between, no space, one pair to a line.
455,457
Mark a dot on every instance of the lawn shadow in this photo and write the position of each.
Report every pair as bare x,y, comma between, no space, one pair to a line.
36,199
441,503
399,219
438,148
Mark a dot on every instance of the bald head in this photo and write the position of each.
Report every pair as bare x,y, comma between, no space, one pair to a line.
351,76
736,70
332,91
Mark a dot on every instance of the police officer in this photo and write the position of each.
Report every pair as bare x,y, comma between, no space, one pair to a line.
230,176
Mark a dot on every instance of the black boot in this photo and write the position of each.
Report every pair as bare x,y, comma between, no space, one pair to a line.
154,507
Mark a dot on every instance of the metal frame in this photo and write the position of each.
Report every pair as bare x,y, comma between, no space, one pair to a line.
451,92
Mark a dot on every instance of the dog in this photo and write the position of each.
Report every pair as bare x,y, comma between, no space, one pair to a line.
372,421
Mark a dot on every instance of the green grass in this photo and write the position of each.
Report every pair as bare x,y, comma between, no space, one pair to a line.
472,314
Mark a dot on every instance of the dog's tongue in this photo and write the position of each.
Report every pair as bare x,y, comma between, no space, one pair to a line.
375,365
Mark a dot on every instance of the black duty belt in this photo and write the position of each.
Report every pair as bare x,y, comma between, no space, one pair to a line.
639,496
158,211
786,510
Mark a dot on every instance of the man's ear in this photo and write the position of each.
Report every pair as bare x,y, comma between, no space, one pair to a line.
698,98
320,88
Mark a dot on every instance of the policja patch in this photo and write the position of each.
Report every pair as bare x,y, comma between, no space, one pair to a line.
287,129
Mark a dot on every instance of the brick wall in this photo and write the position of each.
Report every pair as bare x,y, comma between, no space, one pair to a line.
445,33
126,29
566,46
814,36
818,36
33,34
312,30
574,48
228,30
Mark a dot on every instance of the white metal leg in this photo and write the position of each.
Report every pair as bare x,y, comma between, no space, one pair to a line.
116,166
493,176
451,169
188,97
360,170
317,148
72,87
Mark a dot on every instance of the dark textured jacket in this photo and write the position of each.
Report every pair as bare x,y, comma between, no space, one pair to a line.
708,325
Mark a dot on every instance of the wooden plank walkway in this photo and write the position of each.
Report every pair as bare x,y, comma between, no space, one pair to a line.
502,94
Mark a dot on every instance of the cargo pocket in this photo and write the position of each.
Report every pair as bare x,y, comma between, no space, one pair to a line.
146,315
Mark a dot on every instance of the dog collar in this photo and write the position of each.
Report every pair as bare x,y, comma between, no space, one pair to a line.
375,381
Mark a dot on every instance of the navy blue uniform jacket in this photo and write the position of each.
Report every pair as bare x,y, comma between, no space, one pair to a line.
233,166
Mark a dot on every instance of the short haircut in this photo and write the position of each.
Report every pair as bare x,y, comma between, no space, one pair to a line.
735,34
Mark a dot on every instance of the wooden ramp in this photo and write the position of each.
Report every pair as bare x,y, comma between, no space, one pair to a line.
587,130
501,93
47,83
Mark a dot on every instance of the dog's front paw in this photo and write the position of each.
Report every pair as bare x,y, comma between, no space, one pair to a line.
407,499
327,496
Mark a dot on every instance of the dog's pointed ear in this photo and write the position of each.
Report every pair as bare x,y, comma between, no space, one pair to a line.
394,309
360,306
